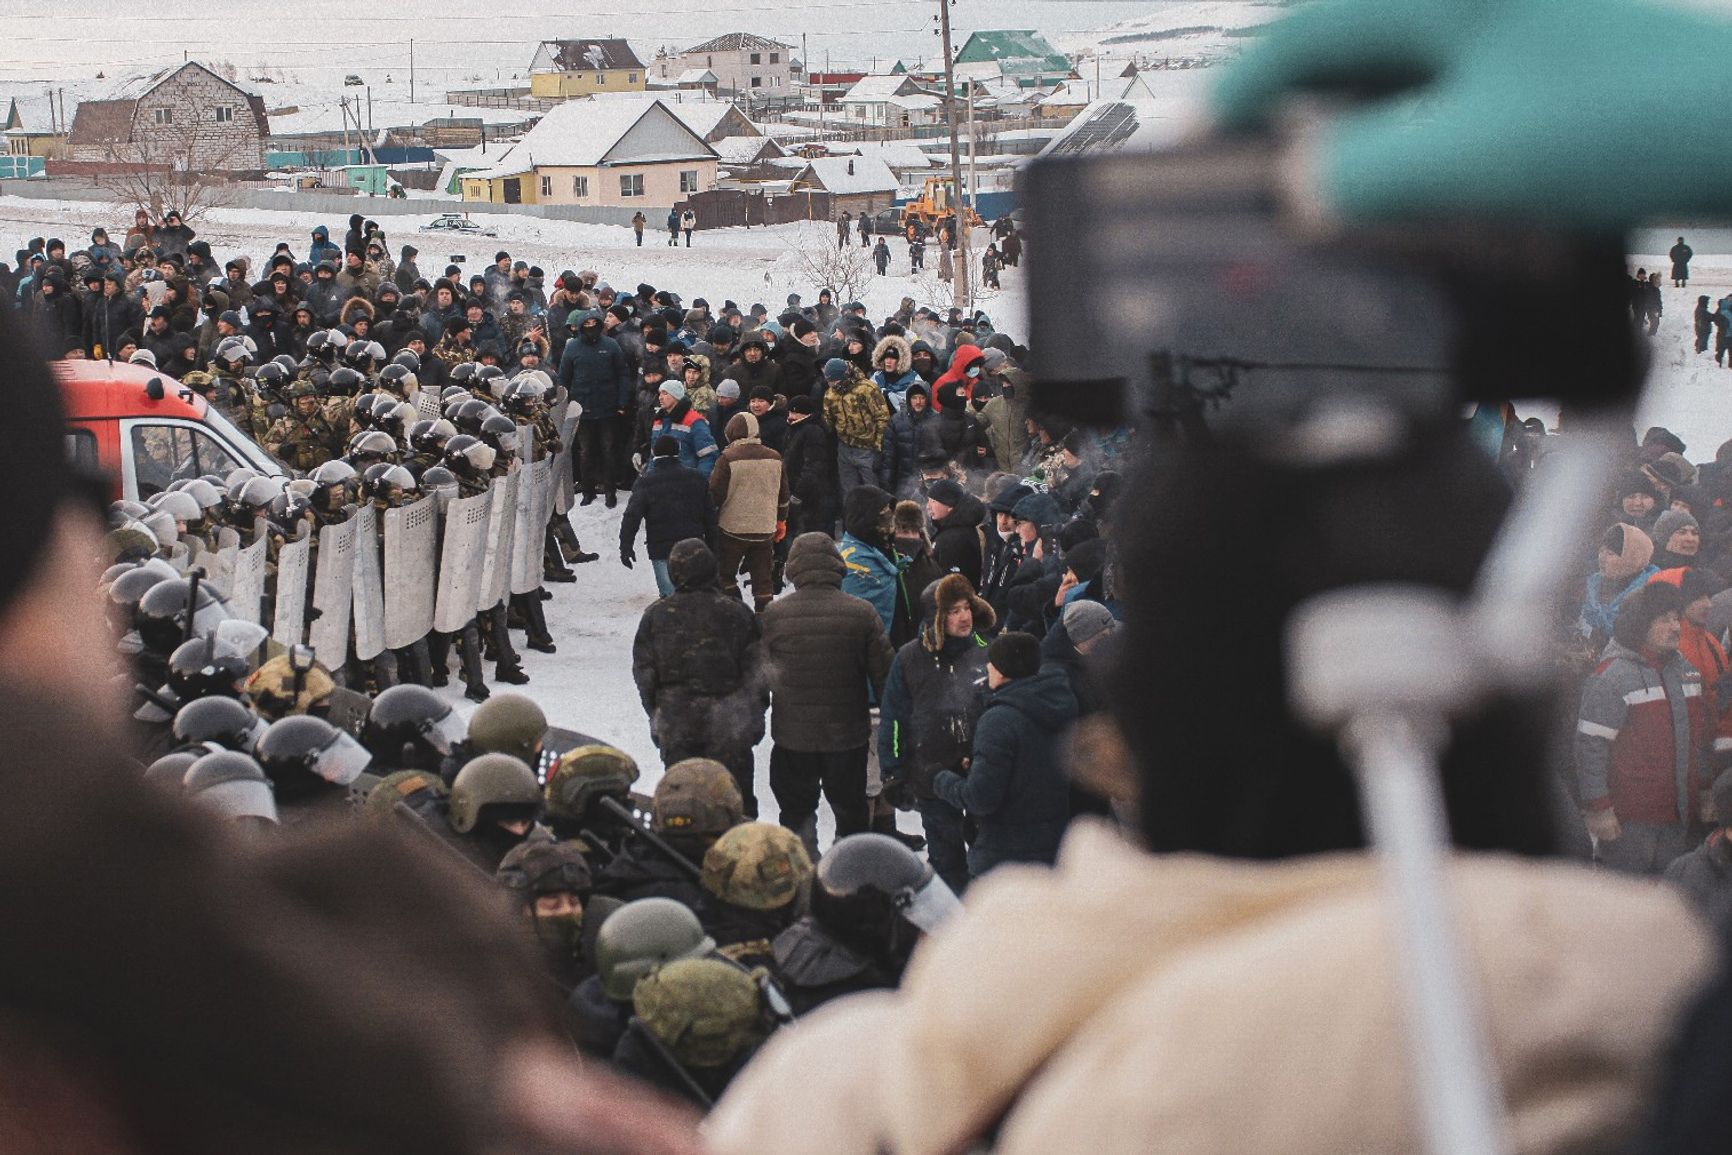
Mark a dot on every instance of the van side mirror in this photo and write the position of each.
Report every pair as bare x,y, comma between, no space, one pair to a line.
153,389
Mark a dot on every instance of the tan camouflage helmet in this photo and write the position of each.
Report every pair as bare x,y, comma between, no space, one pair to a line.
402,786
272,689
584,773
706,1011
696,796
532,869
757,865
508,724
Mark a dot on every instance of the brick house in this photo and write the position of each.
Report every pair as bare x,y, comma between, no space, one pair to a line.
184,117
744,64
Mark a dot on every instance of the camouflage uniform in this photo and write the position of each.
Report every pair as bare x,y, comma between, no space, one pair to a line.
453,354
302,443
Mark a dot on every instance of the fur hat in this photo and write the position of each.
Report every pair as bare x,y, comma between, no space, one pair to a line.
1641,608
908,520
948,592
1634,549
1015,654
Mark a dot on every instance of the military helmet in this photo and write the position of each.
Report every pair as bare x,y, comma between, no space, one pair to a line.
641,936
532,869
707,1012
294,751
170,770
411,727
409,786
344,381
757,865
207,668
272,688
875,894
232,785
299,389
508,724
398,379
221,720
696,796
491,780
585,773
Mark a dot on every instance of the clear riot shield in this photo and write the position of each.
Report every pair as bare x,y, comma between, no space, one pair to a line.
333,591
411,571
496,563
294,564
368,606
529,535
247,582
219,564
467,524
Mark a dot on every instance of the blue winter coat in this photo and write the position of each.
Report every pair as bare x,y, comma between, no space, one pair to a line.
896,388
872,577
595,376
1016,789
322,249
688,427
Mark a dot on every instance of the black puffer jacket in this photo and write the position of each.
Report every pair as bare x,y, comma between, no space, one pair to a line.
901,462
825,654
957,540
809,456
695,658
674,502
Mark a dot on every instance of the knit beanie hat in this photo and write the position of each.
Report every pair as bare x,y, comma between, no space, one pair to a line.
1086,620
674,389
835,369
665,446
1015,654
946,491
802,404
1671,522
1634,550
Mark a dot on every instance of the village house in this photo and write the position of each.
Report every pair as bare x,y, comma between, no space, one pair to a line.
183,117
566,68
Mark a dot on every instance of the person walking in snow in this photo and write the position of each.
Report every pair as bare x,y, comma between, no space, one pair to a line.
673,228
842,229
1680,254
865,224
881,257
638,222
688,222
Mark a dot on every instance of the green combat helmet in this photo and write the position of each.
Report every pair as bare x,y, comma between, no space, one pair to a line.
697,796
707,1012
532,869
757,865
641,936
508,724
584,774
417,788
491,780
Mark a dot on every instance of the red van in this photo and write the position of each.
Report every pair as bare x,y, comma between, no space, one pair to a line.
145,429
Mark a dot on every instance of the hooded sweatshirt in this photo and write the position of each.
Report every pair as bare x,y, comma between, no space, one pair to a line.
748,483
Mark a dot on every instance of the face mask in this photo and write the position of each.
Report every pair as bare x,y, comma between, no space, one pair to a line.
591,334
979,403
561,934
973,372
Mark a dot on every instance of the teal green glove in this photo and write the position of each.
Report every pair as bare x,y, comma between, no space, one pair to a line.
1587,113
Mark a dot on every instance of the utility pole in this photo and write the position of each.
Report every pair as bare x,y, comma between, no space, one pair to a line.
411,70
959,284
973,147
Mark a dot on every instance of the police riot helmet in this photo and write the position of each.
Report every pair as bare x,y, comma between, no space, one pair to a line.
206,668
407,359
164,611
382,478
231,785
462,373
369,447
223,721
410,727
302,751
500,432
235,351
345,382
439,481
874,894
392,416
466,454
364,355
397,379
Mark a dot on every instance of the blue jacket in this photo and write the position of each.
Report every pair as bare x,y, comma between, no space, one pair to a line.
595,376
872,577
322,249
895,390
688,427
1600,616
1016,789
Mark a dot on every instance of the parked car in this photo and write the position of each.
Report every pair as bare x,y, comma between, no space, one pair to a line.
456,225
889,223
352,81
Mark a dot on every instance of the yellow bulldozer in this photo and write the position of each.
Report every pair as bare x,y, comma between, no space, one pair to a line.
935,206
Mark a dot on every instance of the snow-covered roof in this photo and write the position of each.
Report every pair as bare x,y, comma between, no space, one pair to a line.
697,76
915,101
1114,126
737,42
831,173
1071,92
746,149
326,116
979,71
877,89
898,154
599,55
584,133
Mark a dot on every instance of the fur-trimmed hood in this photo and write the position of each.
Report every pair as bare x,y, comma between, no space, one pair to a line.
356,307
897,345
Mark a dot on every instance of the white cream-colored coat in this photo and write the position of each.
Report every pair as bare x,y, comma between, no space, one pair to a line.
1123,1002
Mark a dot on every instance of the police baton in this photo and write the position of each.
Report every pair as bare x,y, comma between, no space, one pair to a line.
612,806
674,1066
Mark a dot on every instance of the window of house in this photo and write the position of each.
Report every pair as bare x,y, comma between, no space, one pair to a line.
757,82
775,58
546,186
225,113
164,115
689,180
631,184
631,78
775,82
709,62
601,78
580,187
755,56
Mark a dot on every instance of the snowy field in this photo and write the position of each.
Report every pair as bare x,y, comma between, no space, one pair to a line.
587,685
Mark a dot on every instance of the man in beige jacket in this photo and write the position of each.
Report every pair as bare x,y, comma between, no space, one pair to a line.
750,489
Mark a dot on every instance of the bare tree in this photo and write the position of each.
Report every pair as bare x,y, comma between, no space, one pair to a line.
174,168
939,294
819,263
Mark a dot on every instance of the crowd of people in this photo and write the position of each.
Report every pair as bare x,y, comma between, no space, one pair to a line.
869,547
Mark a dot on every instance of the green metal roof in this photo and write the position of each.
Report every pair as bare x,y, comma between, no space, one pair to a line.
1015,51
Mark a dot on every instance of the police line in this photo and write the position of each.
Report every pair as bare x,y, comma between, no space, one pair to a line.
389,577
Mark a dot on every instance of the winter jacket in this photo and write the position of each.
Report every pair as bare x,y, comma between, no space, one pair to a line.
172,239
875,577
640,870
748,484
954,435
894,387
57,320
322,249
1144,1014
901,464
750,375
857,413
1057,651
1641,735
957,541
1016,788
674,502
825,653
1681,254
326,298
106,319
695,661
931,701
595,375
800,373
686,426
961,360
809,456
773,426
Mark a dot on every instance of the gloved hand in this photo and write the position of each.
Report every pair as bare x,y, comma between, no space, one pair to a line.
781,530
1603,825
627,555
1528,109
